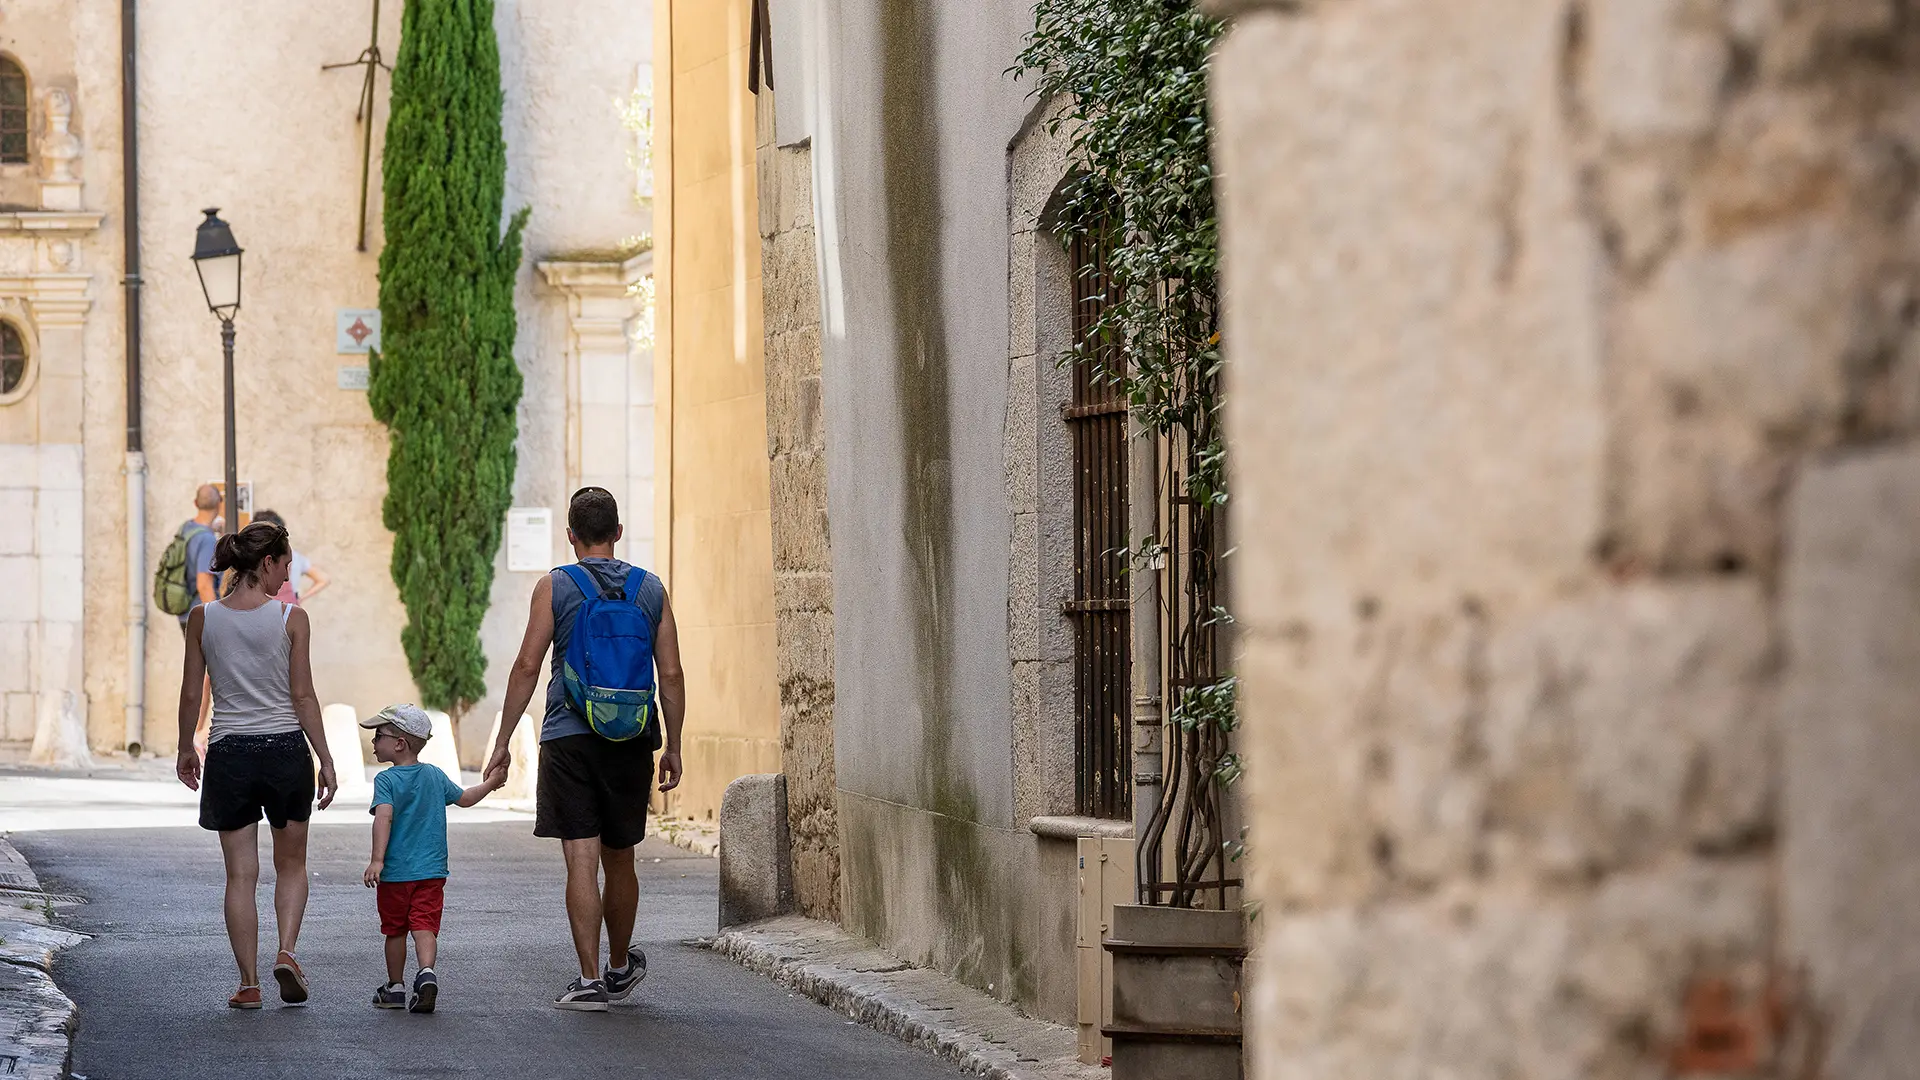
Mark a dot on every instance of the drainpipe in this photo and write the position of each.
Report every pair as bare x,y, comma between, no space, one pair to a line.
136,466
1143,523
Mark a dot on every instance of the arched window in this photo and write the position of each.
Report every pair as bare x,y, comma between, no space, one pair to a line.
13,113
13,359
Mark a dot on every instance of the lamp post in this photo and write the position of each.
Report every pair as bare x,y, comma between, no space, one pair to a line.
216,258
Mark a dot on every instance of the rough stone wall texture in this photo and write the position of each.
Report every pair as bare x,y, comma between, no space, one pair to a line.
1573,385
802,549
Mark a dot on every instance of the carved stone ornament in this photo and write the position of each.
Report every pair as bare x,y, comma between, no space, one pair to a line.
60,147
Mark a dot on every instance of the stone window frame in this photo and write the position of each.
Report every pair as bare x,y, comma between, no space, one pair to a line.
16,167
13,315
1039,483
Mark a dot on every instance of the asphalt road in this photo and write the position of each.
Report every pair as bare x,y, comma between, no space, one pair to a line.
152,984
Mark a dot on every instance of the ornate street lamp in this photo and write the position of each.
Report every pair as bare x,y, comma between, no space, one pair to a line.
216,258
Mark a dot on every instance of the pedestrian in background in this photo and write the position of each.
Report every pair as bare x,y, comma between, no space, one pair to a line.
254,653
304,580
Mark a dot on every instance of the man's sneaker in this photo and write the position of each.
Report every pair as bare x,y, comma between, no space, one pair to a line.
293,984
582,995
620,983
426,989
390,996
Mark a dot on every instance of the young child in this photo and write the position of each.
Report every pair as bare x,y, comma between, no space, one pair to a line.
410,850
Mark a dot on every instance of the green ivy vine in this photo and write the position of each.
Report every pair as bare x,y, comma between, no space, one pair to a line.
1132,76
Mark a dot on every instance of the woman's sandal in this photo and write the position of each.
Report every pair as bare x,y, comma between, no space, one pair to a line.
293,982
247,997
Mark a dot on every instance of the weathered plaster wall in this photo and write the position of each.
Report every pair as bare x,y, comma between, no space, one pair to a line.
270,138
802,549
1572,390
712,386
912,115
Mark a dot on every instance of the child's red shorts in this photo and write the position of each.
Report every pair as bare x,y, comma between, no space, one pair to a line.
410,905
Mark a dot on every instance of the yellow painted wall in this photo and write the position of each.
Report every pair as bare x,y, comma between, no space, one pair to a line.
713,512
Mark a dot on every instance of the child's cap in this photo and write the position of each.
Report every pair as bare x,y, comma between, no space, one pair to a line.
408,717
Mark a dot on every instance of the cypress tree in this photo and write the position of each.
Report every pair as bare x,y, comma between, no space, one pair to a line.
446,385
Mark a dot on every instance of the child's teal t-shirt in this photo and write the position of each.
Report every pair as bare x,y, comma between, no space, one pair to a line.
419,794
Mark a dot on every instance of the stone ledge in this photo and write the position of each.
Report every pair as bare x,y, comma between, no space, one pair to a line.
985,1036
1070,827
36,1019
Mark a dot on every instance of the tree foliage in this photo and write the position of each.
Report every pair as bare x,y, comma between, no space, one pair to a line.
446,384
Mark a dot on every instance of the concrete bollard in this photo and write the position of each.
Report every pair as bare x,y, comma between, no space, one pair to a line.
756,867
442,750
341,727
525,747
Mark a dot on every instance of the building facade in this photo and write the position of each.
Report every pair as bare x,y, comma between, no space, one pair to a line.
921,435
237,109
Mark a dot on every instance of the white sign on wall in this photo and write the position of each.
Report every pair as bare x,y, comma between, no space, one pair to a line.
529,539
351,377
356,330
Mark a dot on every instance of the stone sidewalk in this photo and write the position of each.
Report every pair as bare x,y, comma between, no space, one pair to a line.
36,1019
982,1034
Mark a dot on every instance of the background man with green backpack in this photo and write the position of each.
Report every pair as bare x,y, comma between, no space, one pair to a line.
184,579
611,629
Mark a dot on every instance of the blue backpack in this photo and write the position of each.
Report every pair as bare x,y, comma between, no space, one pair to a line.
607,675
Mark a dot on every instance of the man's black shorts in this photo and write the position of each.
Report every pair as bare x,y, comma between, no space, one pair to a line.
590,786
247,775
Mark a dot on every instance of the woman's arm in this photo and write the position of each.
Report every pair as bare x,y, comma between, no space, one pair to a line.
320,582
193,673
306,704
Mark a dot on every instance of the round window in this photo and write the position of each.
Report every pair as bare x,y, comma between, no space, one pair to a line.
13,359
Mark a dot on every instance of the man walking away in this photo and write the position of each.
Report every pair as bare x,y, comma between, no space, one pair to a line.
602,725
197,537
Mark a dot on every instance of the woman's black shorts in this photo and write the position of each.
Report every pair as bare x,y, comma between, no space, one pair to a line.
246,775
591,787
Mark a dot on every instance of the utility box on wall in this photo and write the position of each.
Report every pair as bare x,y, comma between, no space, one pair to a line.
1106,879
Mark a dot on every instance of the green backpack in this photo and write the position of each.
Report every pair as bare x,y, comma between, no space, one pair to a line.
172,592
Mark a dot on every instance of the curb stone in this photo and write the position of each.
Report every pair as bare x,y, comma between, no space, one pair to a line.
985,1036
36,1019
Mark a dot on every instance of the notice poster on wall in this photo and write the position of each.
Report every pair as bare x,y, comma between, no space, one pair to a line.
529,539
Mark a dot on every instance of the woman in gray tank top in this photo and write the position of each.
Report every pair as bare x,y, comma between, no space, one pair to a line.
265,714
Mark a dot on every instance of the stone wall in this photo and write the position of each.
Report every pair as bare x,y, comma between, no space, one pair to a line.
802,549
713,499
1573,390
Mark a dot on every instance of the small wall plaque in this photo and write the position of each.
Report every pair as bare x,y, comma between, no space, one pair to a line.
529,539
356,330
351,377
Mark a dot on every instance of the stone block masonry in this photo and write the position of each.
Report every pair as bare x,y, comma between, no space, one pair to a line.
802,562
1574,384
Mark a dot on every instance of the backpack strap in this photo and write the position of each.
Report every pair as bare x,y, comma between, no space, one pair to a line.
582,580
635,578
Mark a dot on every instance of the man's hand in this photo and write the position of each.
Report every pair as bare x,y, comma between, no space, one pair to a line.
187,768
496,779
500,760
669,770
372,876
328,785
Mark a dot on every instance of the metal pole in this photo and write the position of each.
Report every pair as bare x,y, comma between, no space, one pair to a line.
136,466
366,148
1143,527
233,465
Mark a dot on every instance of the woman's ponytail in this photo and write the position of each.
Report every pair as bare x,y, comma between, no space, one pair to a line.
244,551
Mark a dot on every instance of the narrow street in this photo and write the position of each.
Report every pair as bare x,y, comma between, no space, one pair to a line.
151,984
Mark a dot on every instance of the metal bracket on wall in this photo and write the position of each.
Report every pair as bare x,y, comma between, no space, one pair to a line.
370,59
